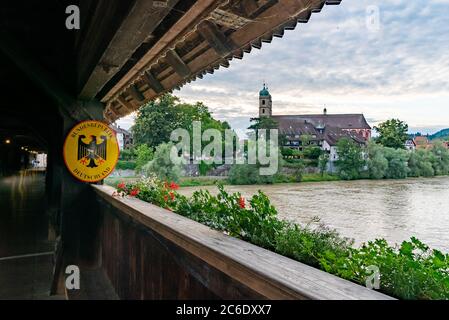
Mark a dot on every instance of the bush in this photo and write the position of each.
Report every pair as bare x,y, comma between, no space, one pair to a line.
244,174
440,159
397,163
420,164
312,153
308,245
144,154
410,271
162,165
127,154
125,165
377,163
204,168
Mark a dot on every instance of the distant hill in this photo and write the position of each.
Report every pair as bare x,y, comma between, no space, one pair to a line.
442,134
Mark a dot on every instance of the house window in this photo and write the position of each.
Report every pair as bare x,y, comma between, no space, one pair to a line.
263,102
263,110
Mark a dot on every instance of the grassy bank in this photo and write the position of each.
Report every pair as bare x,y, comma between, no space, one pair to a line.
210,181
185,181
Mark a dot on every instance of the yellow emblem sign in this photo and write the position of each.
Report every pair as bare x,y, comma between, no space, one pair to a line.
91,151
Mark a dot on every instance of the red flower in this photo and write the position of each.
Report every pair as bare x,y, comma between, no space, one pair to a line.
121,185
173,186
165,198
172,196
242,203
134,192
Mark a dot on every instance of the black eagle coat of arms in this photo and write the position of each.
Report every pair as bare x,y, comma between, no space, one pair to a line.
94,153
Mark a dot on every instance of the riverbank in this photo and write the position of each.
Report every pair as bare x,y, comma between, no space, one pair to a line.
212,181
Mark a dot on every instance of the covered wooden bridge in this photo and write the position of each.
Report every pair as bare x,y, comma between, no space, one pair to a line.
124,54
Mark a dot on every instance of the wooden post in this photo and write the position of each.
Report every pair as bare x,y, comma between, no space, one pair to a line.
79,218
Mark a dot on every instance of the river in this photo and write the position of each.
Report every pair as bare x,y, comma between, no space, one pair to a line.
365,209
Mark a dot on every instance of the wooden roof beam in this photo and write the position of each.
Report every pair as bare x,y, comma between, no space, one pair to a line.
186,24
215,38
177,64
136,94
143,18
125,104
153,82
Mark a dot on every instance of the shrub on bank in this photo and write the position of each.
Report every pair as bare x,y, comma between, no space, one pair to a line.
383,162
125,165
411,271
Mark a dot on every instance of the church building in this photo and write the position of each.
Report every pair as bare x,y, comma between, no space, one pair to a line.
323,130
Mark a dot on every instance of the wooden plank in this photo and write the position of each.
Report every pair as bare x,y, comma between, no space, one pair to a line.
177,64
271,275
107,16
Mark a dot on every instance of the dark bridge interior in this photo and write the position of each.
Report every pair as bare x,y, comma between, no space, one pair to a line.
52,78
30,122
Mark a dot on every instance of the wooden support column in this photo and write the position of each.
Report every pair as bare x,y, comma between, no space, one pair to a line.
79,218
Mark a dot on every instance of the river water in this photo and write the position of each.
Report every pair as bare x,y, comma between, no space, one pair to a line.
366,209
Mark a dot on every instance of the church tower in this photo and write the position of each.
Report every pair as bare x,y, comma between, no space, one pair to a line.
265,103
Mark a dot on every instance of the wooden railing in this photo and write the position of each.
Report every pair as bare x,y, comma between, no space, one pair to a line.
151,253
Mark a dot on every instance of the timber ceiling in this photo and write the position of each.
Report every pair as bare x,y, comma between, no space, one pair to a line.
130,52
207,36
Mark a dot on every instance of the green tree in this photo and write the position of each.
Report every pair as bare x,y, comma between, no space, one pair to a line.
323,161
397,163
377,163
162,165
392,133
440,158
420,164
144,154
263,123
158,119
312,152
350,161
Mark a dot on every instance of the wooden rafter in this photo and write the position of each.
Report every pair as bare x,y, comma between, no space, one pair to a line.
216,38
201,41
137,27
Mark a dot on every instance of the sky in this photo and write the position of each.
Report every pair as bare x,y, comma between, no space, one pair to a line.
385,59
